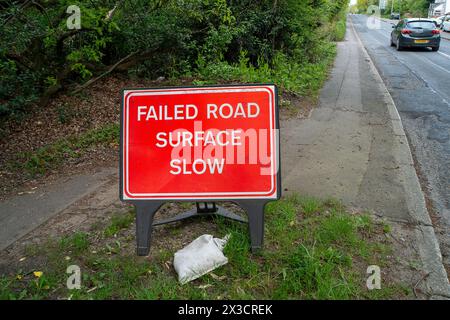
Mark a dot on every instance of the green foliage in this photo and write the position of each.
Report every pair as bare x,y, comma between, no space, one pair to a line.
363,5
76,243
414,8
271,40
291,75
119,222
340,26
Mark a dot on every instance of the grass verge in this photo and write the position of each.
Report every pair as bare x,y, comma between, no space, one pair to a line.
313,250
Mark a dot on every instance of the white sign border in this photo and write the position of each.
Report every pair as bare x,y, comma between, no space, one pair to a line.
271,194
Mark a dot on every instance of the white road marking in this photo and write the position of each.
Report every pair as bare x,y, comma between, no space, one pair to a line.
434,64
444,54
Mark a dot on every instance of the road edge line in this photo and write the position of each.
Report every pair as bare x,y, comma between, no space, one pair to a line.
437,279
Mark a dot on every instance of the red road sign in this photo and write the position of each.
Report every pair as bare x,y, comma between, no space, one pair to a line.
200,143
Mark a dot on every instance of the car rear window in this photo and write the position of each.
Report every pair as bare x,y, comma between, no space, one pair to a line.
421,25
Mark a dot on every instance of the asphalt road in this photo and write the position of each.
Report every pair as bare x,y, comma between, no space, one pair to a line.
419,82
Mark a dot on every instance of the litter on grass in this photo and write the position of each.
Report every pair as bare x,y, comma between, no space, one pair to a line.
201,256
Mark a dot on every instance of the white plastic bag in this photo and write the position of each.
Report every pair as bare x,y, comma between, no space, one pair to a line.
201,256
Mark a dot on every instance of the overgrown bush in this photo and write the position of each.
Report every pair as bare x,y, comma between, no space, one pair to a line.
267,40
414,8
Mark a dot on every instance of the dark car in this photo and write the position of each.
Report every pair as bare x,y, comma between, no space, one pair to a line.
395,16
415,33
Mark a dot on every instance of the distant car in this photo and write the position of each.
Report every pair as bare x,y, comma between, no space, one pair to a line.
446,24
439,20
415,32
395,16
436,21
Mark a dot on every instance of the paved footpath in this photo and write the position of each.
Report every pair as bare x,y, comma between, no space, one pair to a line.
21,214
353,147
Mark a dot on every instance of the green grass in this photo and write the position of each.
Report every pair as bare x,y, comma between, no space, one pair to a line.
313,250
49,156
76,243
119,222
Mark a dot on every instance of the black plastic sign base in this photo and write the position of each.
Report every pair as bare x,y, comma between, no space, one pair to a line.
146,210
203,209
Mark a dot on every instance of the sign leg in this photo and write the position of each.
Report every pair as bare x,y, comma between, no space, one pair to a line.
144,220
255,211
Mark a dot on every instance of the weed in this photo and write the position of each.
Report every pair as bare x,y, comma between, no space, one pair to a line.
119,222
76,243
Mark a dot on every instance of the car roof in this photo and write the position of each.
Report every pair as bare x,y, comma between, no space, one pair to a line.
418,19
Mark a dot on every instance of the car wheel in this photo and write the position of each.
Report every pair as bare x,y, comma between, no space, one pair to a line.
435,48
399,47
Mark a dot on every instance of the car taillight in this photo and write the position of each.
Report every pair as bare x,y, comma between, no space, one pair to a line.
435,31
406,31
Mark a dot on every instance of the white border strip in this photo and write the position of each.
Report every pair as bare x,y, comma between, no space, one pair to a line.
271,194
